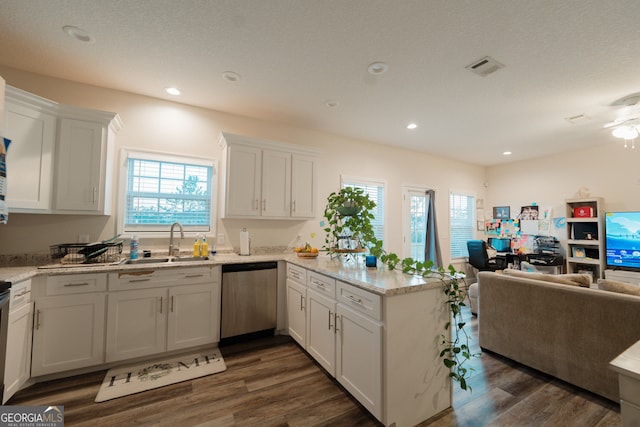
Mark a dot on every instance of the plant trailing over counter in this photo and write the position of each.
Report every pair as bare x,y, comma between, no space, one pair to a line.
455,346
349,213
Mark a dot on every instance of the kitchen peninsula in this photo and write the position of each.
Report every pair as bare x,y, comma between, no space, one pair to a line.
384,327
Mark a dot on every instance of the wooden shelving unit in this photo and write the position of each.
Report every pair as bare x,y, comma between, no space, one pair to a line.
585,237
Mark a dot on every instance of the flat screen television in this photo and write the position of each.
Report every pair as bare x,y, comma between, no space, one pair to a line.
622,242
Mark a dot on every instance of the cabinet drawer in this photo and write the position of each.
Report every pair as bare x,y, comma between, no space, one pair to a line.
629,389
322,284
360,300
20,295
76,284
151,278
296,273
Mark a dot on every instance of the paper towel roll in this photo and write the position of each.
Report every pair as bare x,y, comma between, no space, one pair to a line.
244,242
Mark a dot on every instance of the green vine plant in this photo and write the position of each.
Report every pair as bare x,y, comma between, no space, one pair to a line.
455,351
348,227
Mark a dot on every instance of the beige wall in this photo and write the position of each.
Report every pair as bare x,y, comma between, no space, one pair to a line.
173,127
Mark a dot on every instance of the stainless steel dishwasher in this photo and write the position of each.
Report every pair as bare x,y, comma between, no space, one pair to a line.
248,299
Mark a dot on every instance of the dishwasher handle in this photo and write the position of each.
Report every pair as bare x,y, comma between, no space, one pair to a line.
249,266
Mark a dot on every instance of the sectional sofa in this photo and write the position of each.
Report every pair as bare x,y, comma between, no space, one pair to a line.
568,331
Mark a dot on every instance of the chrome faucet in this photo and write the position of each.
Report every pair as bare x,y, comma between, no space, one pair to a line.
171,248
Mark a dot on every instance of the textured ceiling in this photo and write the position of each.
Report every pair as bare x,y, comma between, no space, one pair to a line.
562,59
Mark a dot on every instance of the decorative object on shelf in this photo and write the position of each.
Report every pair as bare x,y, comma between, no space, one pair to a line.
306,251
578,252
501,212
349,230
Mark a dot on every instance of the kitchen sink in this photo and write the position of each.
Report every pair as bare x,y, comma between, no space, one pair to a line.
189,258
163,260
146,261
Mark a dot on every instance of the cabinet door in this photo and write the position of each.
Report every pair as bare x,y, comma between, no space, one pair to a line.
18,358
79,166
303,186
276,184
359,361
68,333
29,158
244,171
321,336
296,311
137,323
194,316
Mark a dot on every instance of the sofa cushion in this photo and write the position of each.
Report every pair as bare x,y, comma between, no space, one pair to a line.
573,279
620,287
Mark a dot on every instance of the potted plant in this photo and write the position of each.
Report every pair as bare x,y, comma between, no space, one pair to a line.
349,213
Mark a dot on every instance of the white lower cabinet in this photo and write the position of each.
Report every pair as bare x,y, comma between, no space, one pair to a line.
18,359
296,311
359,363
384,350
68,333
137,323
146,316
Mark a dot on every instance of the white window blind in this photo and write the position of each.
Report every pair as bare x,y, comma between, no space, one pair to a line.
375,191
461,223
161,191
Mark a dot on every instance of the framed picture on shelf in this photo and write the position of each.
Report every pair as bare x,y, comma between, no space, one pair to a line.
578,252
529,212
501,212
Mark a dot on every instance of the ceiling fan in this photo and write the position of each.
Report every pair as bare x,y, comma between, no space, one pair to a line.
627,126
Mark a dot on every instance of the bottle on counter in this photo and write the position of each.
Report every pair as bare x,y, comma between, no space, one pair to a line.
204,247
133,248
196,246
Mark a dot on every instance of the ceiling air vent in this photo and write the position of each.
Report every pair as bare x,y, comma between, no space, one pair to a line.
485,66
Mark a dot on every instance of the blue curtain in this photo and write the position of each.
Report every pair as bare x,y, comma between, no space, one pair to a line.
432,243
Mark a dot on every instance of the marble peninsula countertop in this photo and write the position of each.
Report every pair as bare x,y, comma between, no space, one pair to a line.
628,362
378,280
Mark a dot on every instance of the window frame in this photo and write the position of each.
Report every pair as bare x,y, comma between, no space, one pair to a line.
140,231
463,253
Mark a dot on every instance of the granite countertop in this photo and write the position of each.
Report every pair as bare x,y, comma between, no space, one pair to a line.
628,362
377,280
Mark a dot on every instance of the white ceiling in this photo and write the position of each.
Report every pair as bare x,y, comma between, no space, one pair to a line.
562,58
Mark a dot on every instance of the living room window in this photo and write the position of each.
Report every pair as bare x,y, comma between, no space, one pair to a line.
161,189
461,222
375,190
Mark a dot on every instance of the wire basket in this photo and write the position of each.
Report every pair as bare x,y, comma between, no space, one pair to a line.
83,253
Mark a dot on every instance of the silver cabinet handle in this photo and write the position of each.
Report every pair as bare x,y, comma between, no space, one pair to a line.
21,294
172,303
37,319
161,298
330,319
335,322
353,299
192,276
139,280
293,206
73,285
264,205
95,194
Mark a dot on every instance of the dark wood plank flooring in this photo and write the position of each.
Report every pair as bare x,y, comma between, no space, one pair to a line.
272,382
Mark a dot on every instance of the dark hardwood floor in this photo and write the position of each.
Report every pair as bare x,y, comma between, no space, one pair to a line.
272,382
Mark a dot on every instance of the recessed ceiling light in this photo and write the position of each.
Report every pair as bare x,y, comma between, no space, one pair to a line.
412,126
78,34
172,91
231,76
377,68
331,103
506,153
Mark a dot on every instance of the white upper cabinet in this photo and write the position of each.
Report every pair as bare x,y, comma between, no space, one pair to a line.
265,179
30,124
84,161
60,157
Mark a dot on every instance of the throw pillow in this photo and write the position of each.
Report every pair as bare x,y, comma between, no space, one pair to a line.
573,279
620,287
